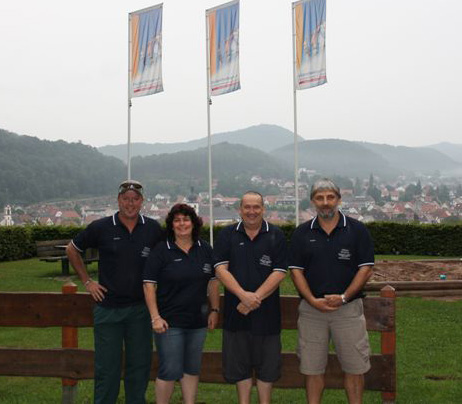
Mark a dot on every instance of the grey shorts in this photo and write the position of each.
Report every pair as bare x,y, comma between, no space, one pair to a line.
244,353
347,329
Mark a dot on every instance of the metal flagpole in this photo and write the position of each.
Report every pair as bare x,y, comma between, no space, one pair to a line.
295,117
129,104
209,135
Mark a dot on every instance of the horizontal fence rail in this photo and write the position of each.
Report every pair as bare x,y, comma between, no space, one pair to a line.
71,310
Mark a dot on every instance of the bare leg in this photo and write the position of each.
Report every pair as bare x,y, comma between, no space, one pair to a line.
354,387
244,387
164,390
264,392
189,385
314,388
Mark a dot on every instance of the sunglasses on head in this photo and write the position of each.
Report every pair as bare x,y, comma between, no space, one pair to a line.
130,185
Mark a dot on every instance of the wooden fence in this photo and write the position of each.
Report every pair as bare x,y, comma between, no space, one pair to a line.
71,310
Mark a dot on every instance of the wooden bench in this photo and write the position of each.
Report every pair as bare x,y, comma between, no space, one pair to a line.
54,251
47,248
71,310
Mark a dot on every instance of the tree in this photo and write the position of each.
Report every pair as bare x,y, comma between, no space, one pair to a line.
409,193
418,190
459,190
357,188
442,193
373,191
305,204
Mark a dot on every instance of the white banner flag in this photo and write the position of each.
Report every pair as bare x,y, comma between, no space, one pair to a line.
223,48
146,51
310,48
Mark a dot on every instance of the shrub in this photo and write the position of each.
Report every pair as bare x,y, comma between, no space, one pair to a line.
389,238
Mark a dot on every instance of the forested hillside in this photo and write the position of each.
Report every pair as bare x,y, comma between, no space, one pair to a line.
233,166
34,170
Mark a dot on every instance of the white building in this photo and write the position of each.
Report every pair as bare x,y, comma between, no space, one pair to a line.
7,219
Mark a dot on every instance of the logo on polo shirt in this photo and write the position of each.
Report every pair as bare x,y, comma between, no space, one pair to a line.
265,260
207,269
344,254
145,252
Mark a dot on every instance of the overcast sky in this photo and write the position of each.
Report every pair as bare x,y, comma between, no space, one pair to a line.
393,70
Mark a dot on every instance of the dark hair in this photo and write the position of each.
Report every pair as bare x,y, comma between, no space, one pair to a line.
186,210
252,193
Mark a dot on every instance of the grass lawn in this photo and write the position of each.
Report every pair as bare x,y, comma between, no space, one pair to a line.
429,335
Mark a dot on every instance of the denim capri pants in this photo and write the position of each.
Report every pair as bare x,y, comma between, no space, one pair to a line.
179,351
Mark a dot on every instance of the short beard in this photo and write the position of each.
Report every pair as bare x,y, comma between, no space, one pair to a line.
329,215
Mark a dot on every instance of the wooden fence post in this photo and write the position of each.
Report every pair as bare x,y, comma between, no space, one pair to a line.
388,342
70,339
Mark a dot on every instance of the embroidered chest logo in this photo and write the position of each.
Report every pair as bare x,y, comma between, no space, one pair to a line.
344,254
145,252
207,269
265,260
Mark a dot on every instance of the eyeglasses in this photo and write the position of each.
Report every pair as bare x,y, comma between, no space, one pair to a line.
130,186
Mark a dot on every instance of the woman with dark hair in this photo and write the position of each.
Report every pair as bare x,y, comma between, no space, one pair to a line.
177,276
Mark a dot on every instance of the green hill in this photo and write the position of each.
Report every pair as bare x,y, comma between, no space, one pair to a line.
453,150
424,160
233,166
336,157
33,170
359,159
261,137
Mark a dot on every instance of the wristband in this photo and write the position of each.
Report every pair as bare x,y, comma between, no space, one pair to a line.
155,318
344,300
88,282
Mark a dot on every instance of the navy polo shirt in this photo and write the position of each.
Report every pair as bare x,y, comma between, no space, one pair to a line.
121,256
182,281
330,262
251,262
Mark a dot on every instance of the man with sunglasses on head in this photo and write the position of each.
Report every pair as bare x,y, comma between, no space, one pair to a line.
121,319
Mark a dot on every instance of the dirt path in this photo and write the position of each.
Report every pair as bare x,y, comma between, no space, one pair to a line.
391,270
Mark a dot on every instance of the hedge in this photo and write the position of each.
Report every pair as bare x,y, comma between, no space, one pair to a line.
417,239
16,243
389,238
19,242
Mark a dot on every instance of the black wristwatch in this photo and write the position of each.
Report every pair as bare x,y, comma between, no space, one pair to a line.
214,310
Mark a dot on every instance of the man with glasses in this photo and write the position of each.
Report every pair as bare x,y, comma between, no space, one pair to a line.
121,319
331,260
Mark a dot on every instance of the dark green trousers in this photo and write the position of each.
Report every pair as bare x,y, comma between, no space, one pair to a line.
116,329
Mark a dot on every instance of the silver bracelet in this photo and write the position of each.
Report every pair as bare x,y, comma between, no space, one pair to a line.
88,282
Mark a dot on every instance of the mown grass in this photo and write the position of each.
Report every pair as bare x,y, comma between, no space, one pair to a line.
429,335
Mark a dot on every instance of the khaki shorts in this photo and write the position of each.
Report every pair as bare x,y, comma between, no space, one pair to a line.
347,328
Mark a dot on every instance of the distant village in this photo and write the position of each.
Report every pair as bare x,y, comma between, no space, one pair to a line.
429,201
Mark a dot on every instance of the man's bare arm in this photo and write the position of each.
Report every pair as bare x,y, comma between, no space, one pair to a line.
94,288
249,299
304,289
357,284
